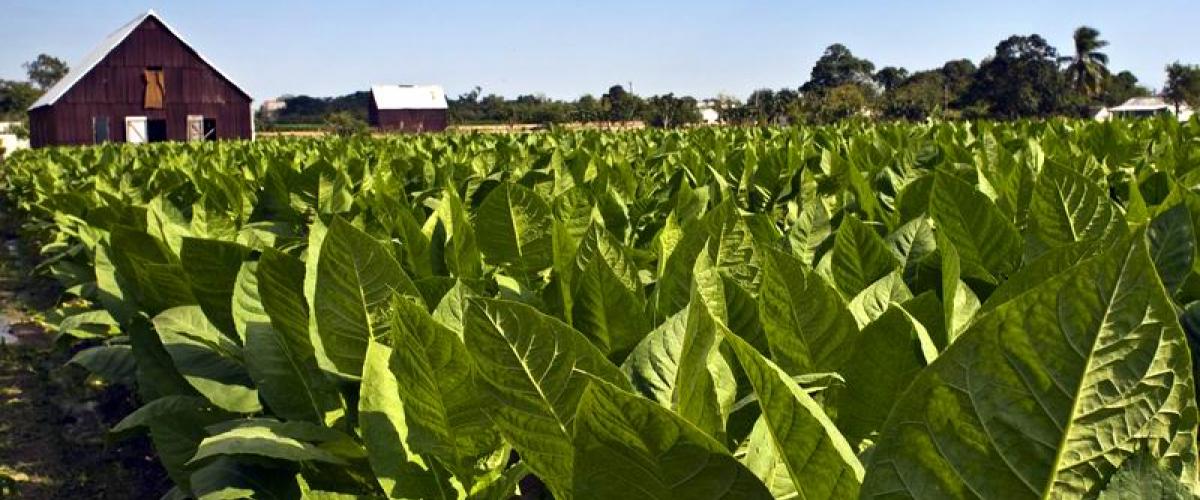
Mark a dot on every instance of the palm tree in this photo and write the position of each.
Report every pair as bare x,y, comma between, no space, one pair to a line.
1088,68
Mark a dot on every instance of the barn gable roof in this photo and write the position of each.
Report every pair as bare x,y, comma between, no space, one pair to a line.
408,97
84,66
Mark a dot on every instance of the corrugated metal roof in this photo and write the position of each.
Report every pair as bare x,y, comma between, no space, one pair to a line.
83,67
408,97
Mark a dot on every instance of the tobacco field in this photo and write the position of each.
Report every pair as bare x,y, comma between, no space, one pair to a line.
947,310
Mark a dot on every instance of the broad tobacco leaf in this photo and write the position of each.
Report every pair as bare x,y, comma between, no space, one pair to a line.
1049,392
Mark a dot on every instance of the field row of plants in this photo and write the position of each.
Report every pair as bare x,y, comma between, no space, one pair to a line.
896,310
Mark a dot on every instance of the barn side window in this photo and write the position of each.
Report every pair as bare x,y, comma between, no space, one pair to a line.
100,129
155,87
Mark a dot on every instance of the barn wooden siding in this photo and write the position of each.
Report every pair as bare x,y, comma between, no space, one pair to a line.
407,120
115,88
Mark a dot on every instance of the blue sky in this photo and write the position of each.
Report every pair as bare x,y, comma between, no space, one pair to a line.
566,48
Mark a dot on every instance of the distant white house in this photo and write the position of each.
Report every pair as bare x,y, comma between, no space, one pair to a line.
1142,107
709,115
8,139
272,107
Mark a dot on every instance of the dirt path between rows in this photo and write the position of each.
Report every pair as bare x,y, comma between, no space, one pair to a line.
52,420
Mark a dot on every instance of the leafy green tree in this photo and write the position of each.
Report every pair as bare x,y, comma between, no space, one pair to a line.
1088,67
46,70
761,106
494,109
621,104
15,98
959,74
1121,87
836,67
1183,85
921,96
891,77
1021,80
588,109
838,103
345,124
669,111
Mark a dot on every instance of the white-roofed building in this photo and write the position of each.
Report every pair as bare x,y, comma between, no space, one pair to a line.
1142,107
408,108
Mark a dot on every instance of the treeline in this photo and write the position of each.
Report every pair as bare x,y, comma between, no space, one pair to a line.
304,109
1025,77
616,105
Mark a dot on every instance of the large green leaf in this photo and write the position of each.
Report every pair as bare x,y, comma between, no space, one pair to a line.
156,373
112,288
262,441
1172,245
807,324
1068,207
761,457
988,244
697,395
875,299
447,414
456,246
277,351
607,311
148,271
628,447
356,277
959,302
162,408
860,256
536,368
112,363
608,305
209,360
887,355
514,228
653,366
450,310
822,464
400,471
1044,395
1142,478
212,268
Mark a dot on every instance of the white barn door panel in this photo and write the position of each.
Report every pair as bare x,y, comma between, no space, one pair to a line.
135,129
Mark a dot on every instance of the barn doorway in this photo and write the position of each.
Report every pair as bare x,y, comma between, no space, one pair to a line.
156,130
210,129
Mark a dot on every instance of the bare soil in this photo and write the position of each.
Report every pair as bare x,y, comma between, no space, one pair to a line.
53,419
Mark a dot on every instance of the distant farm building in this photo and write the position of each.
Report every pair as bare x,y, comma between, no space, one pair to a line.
271,108
408,108
709,114
144,83
1144,107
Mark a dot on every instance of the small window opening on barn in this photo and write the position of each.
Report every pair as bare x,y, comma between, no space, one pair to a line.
210,129
155,87
100,133
156,130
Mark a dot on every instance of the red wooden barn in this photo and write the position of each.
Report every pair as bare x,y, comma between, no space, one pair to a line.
408,108
144,83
